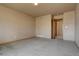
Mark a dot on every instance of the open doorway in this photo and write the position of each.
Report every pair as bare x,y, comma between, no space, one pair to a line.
56,27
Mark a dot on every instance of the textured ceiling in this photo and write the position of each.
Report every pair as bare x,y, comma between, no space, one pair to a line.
41,8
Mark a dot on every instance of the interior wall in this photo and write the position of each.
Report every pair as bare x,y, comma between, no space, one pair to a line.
43,26
69,26
15,25
58,16
59,28
77,25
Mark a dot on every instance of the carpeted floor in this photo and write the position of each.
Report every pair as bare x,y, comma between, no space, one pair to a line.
39,47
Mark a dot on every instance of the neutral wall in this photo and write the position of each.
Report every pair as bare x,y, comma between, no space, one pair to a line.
77,25
43,26
69,26
15,25
58,16
59,28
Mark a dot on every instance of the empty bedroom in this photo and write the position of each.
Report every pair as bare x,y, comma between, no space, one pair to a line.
41,29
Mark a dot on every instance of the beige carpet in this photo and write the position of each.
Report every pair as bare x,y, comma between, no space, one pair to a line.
39,47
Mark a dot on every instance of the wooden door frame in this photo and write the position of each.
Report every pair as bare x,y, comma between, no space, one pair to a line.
52,20
55,29
52,27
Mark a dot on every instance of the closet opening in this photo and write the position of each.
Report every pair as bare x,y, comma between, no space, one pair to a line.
56,28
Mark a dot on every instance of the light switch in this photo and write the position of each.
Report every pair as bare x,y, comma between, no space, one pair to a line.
66,27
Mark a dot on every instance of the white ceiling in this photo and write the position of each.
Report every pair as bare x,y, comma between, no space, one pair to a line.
41,8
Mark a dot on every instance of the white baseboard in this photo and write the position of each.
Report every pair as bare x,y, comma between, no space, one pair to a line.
43,36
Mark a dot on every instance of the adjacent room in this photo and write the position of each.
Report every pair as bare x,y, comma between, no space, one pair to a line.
42,29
